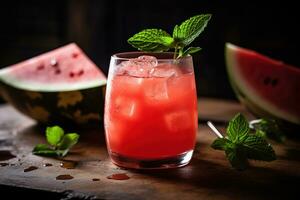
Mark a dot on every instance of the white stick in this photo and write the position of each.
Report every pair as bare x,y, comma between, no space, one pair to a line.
215,130
251,123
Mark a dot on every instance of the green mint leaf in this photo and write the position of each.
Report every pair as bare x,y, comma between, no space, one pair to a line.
154,40
257,148
261,133
40,147
241,146
60,143
47,153
190,29
68,141
220,143
237,156
54,135
188,51
44,150
238,128
270,128
62,153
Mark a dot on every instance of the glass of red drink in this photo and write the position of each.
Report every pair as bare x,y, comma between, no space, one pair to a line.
151,115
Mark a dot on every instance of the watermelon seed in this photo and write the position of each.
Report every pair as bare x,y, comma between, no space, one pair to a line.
53,62
267,80
57,71
80,72
74,55
274,82
71,74
40,67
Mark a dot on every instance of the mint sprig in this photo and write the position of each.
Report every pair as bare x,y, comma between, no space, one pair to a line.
59,143
240,145
157,40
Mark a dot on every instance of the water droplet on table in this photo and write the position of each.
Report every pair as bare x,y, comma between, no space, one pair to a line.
47,165
3,164
68,164
64,177
6,155
121,176
31,168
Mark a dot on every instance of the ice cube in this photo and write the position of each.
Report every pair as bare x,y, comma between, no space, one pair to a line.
137,67
179,120
125,106
156,88
129,83
165,70
147,60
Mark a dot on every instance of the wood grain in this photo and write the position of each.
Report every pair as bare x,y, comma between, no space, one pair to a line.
208,176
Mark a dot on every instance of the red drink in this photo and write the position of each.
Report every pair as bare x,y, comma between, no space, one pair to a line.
151,113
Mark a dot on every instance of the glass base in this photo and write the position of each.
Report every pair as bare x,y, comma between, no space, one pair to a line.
165,163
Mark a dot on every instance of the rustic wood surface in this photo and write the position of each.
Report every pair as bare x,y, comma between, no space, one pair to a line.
208,176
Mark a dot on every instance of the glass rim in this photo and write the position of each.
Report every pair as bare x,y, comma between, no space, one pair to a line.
121,55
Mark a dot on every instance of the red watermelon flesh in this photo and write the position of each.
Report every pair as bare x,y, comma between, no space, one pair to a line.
270,85
62,69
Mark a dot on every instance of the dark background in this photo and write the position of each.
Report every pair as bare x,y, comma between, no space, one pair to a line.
102,27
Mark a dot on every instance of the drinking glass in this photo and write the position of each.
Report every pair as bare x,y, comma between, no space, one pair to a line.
151,117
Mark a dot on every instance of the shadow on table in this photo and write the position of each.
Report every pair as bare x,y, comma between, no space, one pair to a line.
221,179
214,175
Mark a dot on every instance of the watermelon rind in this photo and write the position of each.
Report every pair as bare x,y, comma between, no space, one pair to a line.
8,74
53,87
75,102
64,107
248,96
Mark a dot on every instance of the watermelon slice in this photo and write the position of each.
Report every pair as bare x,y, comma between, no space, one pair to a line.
269,88
62,85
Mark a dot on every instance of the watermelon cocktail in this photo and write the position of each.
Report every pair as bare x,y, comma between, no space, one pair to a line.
150,110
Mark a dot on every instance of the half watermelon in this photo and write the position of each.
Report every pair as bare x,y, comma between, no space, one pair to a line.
267,87
62,85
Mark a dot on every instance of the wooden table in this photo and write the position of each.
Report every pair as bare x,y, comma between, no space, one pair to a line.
208,176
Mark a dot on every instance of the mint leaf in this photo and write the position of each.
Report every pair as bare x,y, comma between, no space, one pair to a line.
40,147
219,143
154,40
190,29
47,153
54,135
261,133
43,149
241,145
68,141
60,143
188,51
268,128
62,153
238,128
258,148
237,156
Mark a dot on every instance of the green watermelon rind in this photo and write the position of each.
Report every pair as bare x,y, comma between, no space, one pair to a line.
48,101
247,95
